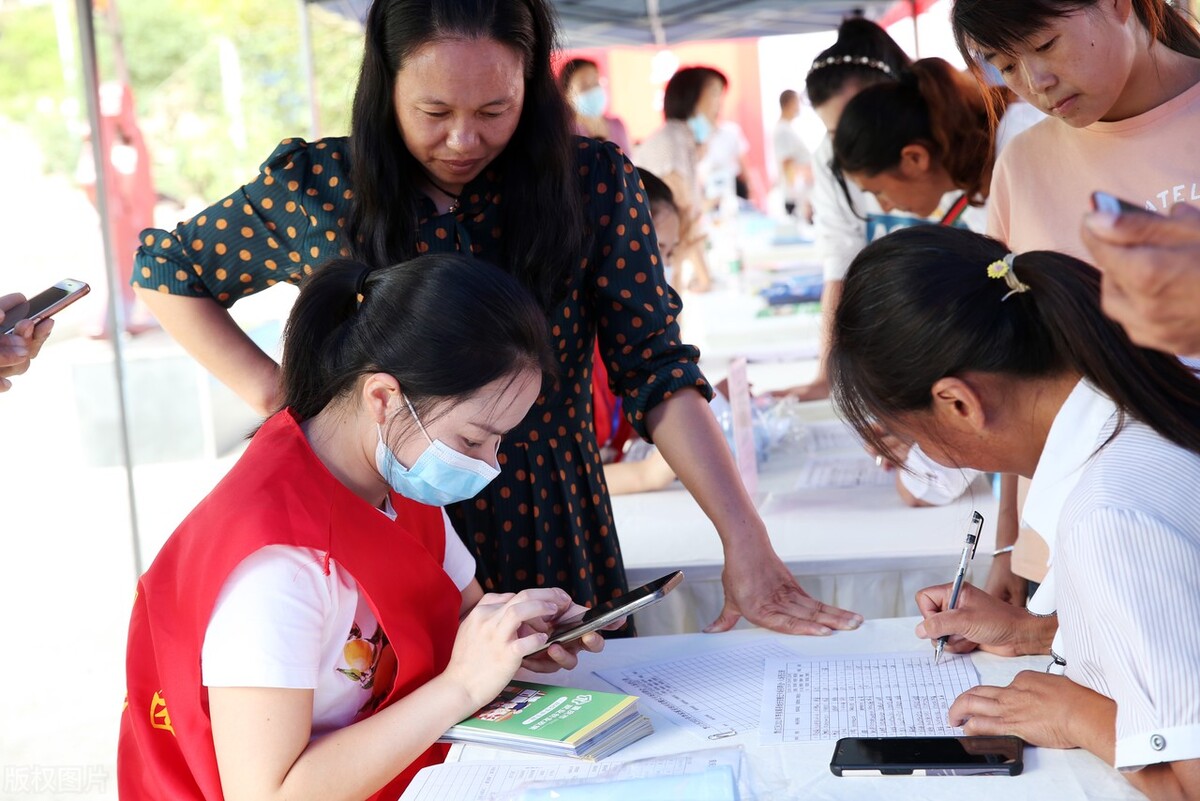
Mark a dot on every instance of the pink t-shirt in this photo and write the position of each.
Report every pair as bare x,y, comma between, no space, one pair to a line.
1044,179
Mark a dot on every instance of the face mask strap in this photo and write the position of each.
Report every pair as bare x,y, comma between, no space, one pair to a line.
413,412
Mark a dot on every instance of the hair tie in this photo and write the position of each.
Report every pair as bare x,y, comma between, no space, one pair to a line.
861,61
1003,268
360,284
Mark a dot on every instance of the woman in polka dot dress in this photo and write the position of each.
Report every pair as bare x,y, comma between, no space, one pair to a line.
460,142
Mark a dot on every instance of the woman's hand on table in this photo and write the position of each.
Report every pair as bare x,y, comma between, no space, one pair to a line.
759,587
982,621
1042,709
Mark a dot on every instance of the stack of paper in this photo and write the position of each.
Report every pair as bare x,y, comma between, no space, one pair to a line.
559,721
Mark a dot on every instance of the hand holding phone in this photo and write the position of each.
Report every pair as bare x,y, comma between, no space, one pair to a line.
928,756
603,614
1111,204
44,304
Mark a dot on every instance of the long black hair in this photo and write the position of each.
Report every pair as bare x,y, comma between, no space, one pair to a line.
933,105
544,231
863,54
443,325
986,25
918,305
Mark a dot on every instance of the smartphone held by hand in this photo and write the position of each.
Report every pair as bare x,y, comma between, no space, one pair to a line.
603,614
928,756
1111,204
44,304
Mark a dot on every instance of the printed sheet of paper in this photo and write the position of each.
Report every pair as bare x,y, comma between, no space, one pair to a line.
481,781
880,695
842,472
827,436
713,696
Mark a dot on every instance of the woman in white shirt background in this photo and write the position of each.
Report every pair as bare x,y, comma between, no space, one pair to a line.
1021,372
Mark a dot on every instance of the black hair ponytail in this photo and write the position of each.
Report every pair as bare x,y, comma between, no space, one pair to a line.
444,325
919,305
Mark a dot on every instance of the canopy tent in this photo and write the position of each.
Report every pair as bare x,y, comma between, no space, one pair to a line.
606,23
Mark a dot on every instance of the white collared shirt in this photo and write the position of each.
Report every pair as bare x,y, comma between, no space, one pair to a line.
1073,439
1126,554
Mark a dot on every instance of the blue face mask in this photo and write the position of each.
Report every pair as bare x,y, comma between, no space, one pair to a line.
440,476
592,102
701,128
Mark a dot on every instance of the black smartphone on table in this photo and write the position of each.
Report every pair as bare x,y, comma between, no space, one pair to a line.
601,615
928,756
44,304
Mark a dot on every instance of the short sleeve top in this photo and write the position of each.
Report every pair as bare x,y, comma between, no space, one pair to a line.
292,217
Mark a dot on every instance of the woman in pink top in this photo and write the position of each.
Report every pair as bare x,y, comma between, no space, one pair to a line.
1124,77
580,82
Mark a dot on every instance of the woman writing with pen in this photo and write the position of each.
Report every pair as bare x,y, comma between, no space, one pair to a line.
1022,373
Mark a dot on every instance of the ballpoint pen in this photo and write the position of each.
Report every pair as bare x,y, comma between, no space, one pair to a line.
968,553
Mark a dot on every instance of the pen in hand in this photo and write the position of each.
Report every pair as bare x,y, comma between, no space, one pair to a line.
968,553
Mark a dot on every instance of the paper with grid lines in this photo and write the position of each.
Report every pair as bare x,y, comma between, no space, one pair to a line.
712,695
809,699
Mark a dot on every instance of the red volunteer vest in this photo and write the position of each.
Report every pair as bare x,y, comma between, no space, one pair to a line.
278,493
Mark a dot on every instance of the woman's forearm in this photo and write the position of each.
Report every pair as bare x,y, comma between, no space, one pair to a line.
213,338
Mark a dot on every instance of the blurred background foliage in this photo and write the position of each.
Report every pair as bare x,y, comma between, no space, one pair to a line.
217,83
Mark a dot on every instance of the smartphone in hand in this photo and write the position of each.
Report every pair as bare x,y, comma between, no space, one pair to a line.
928,756
1103,201
44,304
601,615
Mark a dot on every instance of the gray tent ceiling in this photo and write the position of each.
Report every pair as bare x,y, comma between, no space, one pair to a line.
604,23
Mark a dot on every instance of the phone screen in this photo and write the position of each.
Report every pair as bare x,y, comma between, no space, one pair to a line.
44,303
602,614
868,752
34,306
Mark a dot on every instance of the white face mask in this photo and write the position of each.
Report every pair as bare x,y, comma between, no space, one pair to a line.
440,476
592,102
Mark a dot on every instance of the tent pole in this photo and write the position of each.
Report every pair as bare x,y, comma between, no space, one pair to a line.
116,323
310,73
654,17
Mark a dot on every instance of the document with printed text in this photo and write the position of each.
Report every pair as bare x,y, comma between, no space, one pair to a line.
713,695
881,695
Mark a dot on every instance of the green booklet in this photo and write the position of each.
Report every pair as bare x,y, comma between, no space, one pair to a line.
546,719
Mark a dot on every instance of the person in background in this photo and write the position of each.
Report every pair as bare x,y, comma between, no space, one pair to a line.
1021,372
1151,267
460,142
792,157
934,154
725,174
21,347
1120,80
845,218
586,92
335,630
691,106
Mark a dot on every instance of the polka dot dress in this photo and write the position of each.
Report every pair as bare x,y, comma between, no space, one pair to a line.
547,520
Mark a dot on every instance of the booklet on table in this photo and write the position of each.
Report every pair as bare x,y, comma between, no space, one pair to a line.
560,721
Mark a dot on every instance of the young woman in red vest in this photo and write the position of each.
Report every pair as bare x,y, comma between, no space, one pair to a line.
334,630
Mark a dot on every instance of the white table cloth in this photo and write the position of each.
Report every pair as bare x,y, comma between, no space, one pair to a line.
801,770
860,549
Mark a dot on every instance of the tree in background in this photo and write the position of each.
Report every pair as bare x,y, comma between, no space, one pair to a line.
217,85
